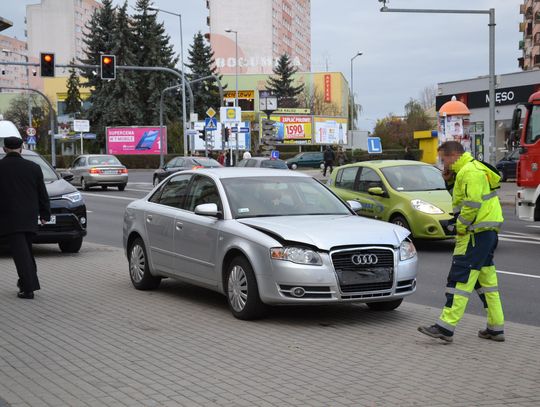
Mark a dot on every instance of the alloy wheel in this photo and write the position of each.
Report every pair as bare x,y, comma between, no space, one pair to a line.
137,263
238,288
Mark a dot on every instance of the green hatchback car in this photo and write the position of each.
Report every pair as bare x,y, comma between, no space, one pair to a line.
408,193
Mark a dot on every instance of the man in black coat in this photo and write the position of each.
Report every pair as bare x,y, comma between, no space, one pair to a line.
24,202
328,158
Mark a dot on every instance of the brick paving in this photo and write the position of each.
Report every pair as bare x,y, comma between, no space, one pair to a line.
90,339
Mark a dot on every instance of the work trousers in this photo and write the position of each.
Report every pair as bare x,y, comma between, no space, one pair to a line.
473,270
21,251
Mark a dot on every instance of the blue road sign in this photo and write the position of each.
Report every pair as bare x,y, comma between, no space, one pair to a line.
210,123
274,155
31,140
374,145
241,130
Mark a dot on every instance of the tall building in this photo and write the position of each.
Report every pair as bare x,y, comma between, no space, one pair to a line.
13,76
58,26
530,27
266,29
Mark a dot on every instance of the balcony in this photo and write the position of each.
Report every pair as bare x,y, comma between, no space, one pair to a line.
521,44
529,12
522,27
521,62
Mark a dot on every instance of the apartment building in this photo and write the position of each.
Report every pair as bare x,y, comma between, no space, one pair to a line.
530,27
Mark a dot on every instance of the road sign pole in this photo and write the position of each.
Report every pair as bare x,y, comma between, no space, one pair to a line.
82,149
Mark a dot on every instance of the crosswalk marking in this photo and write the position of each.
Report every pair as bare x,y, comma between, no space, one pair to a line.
517,274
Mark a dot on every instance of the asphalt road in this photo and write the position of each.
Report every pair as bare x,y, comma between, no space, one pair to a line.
516,258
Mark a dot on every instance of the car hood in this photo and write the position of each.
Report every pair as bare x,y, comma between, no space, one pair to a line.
328,231
59,188
442,199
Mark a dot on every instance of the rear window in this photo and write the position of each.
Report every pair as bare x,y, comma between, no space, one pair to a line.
279,164
104,160
206,162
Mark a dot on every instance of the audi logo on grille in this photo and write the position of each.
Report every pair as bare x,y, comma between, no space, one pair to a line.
364,259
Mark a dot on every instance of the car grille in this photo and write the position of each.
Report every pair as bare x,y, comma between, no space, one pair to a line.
375,271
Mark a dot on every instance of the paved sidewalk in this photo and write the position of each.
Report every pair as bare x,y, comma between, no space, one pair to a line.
90,339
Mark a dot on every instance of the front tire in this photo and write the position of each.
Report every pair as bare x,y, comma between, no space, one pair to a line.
71,246
294,166
139,270
401,221
384,305
503,175
242,291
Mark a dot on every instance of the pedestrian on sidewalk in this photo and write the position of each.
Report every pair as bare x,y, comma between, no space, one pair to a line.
23,205
328,158
479,216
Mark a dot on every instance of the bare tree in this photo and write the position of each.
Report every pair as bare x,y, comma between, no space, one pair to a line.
314,100
428,97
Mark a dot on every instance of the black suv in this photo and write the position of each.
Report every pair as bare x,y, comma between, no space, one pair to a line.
507,165
67,226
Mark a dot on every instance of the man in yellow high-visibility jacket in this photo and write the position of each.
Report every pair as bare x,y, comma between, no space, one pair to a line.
479,216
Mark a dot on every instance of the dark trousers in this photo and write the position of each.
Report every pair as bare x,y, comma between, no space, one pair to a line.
21,251
326,165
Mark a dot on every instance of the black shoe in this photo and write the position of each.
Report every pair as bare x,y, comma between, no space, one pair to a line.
435,332
28,295
489,334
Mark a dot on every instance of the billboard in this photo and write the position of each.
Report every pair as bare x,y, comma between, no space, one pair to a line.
330,130
293,129
135,140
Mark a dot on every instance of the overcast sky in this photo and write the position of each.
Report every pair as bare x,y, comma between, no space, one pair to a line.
403,53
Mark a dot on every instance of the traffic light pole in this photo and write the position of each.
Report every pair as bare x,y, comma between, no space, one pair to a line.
51,119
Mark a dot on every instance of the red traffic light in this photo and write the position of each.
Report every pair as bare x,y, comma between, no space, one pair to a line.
107,60
108,66
46,64
47,57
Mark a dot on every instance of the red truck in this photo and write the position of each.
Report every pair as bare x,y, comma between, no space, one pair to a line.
527,133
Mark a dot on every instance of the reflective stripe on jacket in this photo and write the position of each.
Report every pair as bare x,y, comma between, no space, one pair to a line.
474,196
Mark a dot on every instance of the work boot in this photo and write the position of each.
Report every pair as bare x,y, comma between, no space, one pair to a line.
489,334
435,332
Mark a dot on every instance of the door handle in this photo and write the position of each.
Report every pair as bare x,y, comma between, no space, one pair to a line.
149,218
179,225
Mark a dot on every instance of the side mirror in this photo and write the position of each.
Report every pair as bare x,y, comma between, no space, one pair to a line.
209,209
516,119
376,191
354,205
68,176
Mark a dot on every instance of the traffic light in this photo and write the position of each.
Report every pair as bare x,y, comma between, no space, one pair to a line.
202,135
108,66
46,64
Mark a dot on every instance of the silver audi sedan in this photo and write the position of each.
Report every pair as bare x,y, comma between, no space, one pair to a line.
266,237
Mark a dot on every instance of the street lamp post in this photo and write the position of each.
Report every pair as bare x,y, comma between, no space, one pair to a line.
353,108
491,25
7,51
236,82
182,69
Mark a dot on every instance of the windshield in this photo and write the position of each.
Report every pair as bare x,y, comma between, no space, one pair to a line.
49,175
533,127
103,160
279,164
280,196
414,178
206,162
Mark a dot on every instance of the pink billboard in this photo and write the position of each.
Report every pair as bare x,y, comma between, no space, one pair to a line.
135,140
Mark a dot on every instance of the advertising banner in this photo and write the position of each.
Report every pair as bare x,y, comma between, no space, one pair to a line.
455,128
135,140
330,130
328,88
293,129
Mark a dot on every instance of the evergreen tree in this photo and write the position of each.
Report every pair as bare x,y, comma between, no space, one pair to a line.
282,84
126,108
153,49
73,99
99,40
201,64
